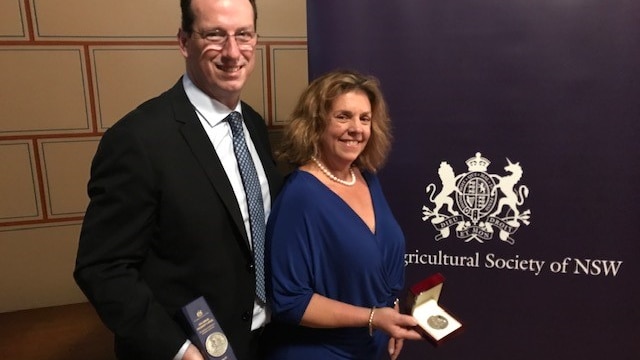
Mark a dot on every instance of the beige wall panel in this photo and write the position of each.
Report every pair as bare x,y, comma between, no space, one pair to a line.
51,118
19,195
13,23
282,19
127,76
141,19
43,90
255,90
290,77
37,267
66,165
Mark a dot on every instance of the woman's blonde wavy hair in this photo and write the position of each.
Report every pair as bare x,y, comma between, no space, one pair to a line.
310,118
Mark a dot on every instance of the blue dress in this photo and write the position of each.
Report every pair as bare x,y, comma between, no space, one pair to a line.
317,244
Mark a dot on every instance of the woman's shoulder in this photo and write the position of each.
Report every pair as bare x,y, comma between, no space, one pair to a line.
297,198
299,179
299,186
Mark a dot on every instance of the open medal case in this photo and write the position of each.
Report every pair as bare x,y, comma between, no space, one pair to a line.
435,323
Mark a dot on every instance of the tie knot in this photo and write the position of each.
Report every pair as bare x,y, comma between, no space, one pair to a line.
235,116
235,121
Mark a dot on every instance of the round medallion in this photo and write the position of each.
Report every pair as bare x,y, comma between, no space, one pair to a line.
437,322
217,344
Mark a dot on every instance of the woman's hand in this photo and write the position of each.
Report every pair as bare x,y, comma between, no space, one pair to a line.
395,346
397,325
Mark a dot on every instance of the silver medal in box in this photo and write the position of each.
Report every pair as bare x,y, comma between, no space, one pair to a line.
435,323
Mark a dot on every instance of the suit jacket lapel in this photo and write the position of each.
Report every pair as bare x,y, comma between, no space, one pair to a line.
202,149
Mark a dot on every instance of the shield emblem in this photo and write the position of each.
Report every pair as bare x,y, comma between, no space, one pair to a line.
476,198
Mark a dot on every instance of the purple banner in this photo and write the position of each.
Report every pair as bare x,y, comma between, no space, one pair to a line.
515,164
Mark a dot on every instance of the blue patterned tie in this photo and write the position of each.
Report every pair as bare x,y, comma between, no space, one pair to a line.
254,198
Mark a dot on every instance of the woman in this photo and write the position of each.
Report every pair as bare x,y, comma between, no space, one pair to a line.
335,251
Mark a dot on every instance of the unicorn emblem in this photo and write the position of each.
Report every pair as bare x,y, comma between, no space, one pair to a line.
511,199
506,185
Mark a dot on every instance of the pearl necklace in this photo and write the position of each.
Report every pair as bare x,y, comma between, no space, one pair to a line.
333,177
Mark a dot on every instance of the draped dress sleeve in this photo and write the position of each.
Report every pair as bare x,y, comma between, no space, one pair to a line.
317,244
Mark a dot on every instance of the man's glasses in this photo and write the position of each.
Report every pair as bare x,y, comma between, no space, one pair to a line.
245,39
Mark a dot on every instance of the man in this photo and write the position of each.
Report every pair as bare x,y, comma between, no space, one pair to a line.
168,219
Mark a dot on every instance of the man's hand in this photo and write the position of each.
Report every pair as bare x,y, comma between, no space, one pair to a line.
192,353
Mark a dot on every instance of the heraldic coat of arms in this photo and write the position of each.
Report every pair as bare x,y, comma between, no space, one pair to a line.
477,204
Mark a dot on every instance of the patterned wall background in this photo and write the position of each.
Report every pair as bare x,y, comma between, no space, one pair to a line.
69,69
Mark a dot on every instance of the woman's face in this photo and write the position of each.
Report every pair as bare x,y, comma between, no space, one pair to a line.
347,131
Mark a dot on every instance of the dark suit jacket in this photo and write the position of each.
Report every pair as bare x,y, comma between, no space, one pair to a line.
163,227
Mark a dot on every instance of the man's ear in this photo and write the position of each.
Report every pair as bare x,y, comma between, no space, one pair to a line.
183,38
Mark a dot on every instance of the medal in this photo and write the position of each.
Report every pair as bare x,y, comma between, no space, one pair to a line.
217,344
437,322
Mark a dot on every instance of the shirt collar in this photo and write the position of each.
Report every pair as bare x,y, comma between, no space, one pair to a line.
210,109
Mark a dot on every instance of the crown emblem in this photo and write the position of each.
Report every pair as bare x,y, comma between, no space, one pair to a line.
478,163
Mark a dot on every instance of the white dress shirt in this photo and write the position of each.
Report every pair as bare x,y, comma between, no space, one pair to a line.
212,114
